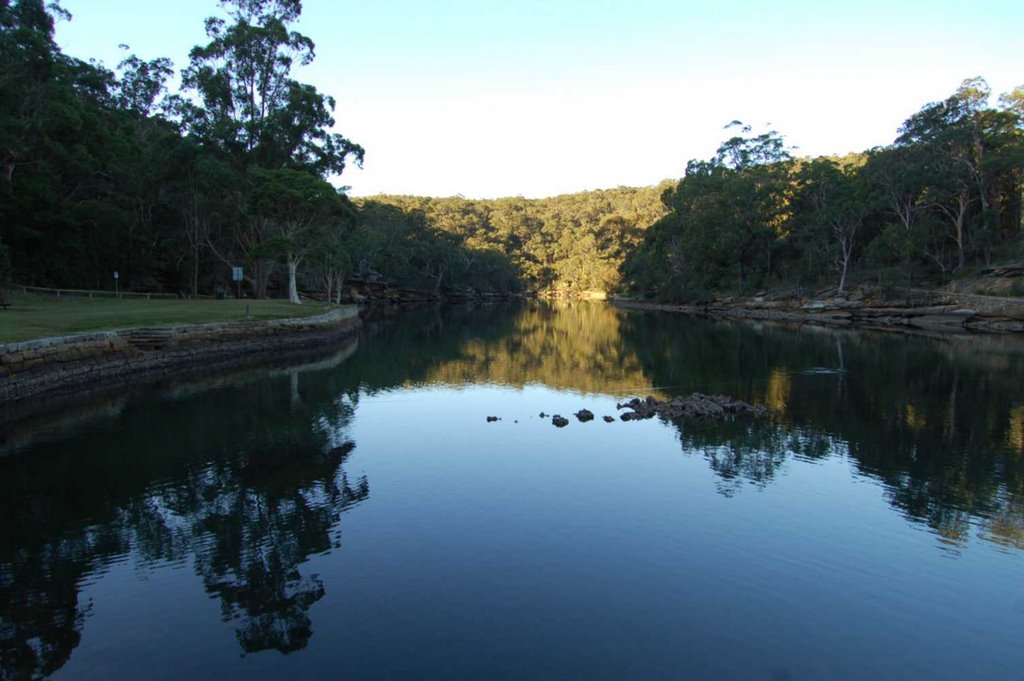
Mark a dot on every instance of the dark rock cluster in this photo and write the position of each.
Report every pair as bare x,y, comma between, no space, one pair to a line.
695,406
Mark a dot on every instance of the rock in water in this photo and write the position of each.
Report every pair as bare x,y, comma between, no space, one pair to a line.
609,419
492,419
584,415
695,406
559,421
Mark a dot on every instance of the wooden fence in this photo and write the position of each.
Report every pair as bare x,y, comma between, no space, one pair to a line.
85,293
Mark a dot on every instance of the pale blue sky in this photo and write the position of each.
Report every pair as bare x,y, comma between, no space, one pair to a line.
538,98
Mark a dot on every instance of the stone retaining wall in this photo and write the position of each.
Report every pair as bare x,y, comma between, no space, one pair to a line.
33,368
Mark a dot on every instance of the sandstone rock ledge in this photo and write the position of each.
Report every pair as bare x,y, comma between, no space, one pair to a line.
920,310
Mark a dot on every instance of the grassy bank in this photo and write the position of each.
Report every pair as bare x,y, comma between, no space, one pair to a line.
35,316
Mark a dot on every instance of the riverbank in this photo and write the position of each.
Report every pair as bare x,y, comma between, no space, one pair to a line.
916,309
32,316
33,369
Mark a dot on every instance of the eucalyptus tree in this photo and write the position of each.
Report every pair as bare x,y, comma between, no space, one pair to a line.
29,64
756,171
963,146
199,191
942,133
1012,104
62,146
728,213
141,83
897,176
331,264
831,206
298,208
247,105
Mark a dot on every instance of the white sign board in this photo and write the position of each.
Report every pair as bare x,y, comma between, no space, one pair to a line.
236,274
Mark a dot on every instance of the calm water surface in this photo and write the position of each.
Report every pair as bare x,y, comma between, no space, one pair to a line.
356,517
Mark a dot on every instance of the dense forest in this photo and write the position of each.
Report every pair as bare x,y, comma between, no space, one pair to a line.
564,245
106,170
942,199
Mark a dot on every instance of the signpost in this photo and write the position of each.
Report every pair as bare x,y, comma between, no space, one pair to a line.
117,285
236,276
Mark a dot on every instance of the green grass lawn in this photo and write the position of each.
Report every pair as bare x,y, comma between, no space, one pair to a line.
37,316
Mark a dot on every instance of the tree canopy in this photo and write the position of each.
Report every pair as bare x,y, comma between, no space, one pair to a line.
944,197
105,170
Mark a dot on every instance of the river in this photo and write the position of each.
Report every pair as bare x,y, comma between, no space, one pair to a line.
358,517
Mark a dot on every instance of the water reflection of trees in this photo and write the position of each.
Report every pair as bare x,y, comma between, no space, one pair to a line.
935,419
564,345
247,480
748,451
940,421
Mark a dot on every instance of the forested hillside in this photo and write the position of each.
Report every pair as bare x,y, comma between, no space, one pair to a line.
564,245
106,171
944,198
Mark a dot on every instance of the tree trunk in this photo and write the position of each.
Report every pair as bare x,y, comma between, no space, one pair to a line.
904,210
262,277
960,225
195,269
846,243
293,290
440,278
845,267
958,217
